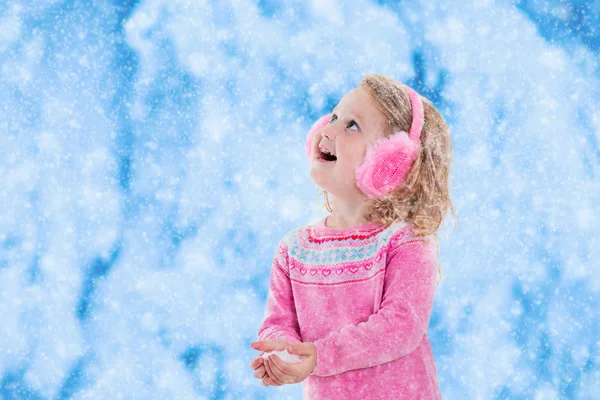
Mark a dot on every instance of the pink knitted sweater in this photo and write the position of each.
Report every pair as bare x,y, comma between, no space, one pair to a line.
363,296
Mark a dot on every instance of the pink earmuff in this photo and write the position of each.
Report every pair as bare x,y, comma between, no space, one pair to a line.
389,159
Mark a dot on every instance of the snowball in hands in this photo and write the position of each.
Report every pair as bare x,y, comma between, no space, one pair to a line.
284,355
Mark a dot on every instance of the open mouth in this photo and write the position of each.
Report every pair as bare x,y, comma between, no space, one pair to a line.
326,156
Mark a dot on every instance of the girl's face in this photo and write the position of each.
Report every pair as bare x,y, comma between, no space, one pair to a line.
355,123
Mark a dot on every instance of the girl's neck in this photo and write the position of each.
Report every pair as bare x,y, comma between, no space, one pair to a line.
347,212
333,221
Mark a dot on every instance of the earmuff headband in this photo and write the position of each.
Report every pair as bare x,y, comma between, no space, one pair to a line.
418,115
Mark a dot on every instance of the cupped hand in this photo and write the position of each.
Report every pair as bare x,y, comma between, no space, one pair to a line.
258,363
280,372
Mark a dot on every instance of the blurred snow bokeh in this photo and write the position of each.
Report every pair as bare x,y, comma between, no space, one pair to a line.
152,155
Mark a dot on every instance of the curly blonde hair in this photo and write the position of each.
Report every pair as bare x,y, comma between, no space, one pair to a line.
424,199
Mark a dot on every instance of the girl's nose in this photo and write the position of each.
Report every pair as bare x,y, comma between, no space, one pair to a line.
327,132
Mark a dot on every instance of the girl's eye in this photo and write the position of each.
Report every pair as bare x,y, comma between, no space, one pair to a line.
349,125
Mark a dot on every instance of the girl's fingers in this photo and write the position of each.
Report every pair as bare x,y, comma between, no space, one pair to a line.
269,382
277,366
260,372
275,379
257,362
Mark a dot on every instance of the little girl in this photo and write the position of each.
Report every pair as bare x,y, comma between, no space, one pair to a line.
351,295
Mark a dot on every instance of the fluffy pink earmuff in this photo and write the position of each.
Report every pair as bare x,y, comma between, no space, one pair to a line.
389,159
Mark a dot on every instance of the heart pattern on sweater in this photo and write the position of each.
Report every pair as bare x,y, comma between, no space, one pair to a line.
339,257
396,239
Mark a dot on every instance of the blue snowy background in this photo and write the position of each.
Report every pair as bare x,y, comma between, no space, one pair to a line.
152,156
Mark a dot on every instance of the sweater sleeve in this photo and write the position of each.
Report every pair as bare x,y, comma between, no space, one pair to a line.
280,321
398,327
